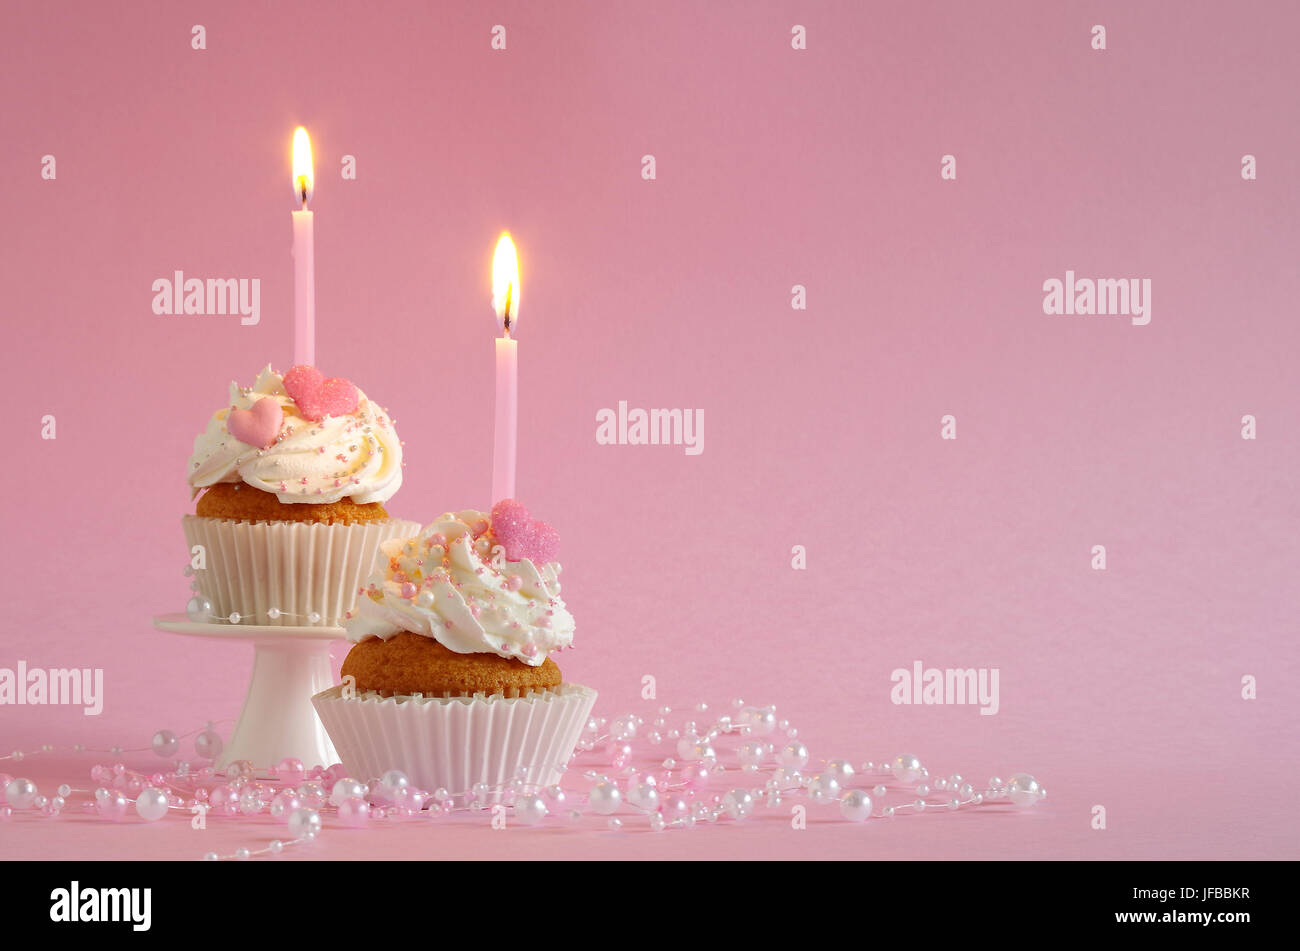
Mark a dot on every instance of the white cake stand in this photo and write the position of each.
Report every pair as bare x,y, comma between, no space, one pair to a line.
290,665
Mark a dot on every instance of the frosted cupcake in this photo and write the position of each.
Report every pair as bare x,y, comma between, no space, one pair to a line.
451,678
291,477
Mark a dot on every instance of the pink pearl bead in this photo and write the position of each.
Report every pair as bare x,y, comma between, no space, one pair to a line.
119,769
353,812
99,774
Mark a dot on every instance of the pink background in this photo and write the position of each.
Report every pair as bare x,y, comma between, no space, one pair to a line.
775,167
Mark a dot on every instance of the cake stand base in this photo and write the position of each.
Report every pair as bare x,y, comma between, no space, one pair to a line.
290,665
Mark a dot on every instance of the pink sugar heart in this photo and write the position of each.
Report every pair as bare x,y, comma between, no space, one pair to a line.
257,426
318,397
521,535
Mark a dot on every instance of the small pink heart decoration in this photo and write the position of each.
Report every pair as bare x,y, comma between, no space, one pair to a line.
257,426
521,535
318,397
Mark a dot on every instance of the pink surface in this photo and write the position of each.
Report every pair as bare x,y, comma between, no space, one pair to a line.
775,167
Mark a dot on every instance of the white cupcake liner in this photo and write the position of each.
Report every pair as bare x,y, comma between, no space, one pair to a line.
294,567
454,742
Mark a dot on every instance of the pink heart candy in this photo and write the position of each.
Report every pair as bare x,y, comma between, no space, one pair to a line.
257,426
318,397
521,535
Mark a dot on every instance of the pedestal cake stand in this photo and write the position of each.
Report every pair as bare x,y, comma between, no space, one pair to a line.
290,665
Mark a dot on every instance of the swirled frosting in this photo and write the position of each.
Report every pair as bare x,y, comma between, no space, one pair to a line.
356,455
453,583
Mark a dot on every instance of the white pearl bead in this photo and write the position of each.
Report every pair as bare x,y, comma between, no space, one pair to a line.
879,791
906,768
208,744
529,809
644,796
794,755
738,803
623,728
920,805
855,805
657,823
313,617
605,798
923,790
824,788
888,812
243,855
276,846
21,793
751,752
687,747
165,744
348,789
273,613
840,769
64,790
1023,790
151,804
199,609
210,856
235,617
304,823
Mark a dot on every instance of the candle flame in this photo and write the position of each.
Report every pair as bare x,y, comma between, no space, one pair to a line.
505,283
303,178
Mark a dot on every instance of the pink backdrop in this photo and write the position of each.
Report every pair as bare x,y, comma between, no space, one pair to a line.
775,167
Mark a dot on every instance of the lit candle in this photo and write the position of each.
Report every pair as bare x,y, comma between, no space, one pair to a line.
304,255
505,300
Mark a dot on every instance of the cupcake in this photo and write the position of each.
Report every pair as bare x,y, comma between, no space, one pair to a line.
291,477
451,678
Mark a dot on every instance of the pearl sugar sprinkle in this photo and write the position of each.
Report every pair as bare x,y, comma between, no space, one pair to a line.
729,767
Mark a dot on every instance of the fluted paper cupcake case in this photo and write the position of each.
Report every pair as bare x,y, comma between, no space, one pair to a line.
453,743
295,567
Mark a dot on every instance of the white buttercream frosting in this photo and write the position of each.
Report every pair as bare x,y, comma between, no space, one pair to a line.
357,455
453,583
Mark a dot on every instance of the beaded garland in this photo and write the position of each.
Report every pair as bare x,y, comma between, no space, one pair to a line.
767,768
